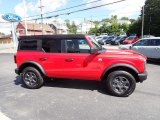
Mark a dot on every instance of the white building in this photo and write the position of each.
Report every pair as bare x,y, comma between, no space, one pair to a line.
85,26
124,22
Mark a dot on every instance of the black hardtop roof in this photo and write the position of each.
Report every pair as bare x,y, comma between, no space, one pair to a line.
68,36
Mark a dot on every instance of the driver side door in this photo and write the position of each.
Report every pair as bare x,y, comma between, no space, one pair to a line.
78,63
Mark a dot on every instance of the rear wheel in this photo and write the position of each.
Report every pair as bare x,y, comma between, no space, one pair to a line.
32,78
120,83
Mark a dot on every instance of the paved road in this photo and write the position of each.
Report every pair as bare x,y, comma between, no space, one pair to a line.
76,100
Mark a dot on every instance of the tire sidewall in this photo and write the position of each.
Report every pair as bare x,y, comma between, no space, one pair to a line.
125,74
38,75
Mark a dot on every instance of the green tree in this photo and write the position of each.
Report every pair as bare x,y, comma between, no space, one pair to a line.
72,27
124,18
114,17
124,27
152,17
132,20
135,27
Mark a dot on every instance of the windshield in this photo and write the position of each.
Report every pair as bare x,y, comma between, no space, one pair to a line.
131,38
117,38
105,37
98,37
94,42
122,38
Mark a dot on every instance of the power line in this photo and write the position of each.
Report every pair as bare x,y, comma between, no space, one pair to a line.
68,13
67,8
104,15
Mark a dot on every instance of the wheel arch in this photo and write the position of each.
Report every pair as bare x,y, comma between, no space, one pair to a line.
125,67
31,64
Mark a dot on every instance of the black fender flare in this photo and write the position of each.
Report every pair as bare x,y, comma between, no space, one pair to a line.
31,63
119,65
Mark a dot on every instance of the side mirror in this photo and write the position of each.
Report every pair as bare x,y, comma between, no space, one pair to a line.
93,51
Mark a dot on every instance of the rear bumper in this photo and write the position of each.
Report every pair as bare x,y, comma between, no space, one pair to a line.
143,76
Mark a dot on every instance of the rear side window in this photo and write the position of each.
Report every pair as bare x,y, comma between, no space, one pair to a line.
155,42
28,45
51,46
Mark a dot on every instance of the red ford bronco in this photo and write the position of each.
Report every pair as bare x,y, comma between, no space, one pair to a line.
78,57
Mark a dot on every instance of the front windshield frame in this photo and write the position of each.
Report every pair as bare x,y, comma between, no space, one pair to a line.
94,42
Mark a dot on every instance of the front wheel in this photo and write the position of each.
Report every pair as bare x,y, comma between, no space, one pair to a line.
32,78
120,83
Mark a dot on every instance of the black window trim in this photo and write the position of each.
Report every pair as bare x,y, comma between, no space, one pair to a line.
79,49
39,45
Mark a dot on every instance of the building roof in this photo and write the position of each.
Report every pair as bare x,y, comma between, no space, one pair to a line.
37,27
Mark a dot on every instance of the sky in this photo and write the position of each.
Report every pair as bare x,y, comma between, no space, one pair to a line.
128,8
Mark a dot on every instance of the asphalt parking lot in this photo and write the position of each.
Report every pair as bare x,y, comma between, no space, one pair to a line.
76,100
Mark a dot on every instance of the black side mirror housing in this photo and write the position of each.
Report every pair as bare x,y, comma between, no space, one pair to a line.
94,51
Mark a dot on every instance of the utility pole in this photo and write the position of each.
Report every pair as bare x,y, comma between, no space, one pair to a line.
26,31
150,20
41,7
142,21
91,22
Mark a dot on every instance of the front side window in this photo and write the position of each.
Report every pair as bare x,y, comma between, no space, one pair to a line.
28,45
75,46
142,43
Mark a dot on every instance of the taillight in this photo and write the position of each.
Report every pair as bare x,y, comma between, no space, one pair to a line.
15,61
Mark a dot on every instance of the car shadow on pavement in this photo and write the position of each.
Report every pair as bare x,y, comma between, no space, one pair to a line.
70,84
18,81
154,62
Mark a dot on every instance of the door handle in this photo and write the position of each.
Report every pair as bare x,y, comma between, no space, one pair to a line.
43,59
69,59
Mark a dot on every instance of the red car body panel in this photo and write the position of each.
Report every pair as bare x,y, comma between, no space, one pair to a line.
81,66
130,41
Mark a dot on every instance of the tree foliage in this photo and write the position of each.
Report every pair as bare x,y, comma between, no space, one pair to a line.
135,27
71,26
151,19
110,25
124,18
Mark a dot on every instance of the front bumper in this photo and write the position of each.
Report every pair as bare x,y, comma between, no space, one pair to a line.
17,71
142,76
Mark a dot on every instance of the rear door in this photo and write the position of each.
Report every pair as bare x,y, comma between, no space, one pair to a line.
154,48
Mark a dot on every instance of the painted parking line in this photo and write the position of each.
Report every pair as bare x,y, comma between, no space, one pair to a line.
3,116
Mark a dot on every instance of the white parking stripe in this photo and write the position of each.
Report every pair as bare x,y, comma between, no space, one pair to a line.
3,117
